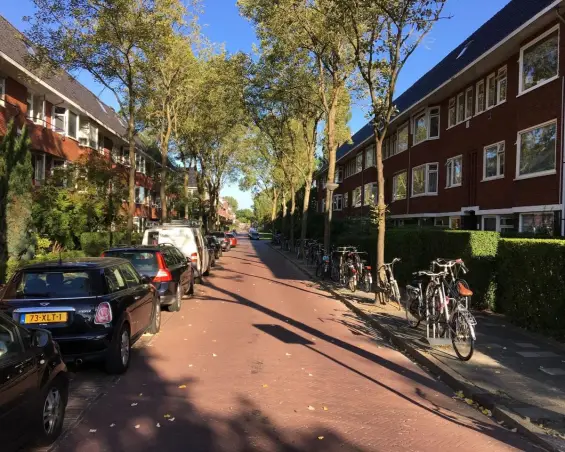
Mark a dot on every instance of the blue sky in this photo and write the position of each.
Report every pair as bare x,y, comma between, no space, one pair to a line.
222,24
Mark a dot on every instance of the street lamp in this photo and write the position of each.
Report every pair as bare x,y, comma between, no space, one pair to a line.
331,187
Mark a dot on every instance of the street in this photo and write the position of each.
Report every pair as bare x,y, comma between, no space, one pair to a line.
261,359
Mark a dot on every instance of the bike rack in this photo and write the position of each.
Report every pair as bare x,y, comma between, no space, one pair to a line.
432,334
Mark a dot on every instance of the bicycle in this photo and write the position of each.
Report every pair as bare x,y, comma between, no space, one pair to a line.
322,267
364,272
388,285
416,305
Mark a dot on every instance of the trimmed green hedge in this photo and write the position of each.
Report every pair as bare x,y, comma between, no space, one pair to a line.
93,243
14,265
531,283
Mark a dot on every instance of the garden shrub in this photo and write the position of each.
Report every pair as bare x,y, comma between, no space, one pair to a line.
15,264
93,243
531,283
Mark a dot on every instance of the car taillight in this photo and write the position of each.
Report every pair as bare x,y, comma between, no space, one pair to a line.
194,257
103,313
163,274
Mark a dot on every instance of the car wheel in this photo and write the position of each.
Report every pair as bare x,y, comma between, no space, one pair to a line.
177,304
54,401
207,272
156,321
119,353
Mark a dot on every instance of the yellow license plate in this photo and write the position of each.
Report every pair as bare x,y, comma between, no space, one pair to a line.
46,317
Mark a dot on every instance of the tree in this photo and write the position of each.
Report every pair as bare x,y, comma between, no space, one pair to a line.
232,202
311,26
15,195
110,40
383,35
244,215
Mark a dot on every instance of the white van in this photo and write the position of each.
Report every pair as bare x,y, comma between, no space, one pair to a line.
187,239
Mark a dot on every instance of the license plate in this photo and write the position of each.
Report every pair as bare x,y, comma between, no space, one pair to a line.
46,317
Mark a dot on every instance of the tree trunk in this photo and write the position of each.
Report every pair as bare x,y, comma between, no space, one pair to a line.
211,226
284,212
131,141
164,166
274,211
186,204
381,210
292,210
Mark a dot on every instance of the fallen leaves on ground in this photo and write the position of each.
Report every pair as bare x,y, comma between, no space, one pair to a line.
171,419
112,425
134,404
288,354
137,426
167,416
92,430
182,386
320,438
265,386
311,408
325,408
158,425
214,355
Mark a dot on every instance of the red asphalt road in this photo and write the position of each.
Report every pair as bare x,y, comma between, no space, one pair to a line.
261,360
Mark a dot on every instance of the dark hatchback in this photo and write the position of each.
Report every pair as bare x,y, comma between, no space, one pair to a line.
215,244
95,308
224,240
34,386
170,272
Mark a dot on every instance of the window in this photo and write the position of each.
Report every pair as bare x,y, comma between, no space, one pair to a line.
88,133
29,105
507,224
441,222
393,147
386,149
490,224
501,85
493,161
59,119
130,275
337,202
370,156
399,186
346,200
35,108
452,119
114,280
491,90
480,106
2,91
73,124
537,223
424,179
359,162
539,61
454,171
469,102
420,128
10,345
455,222
38,161
402,138
434,122
140,163
369,194
139,195
93,136
460,107
350,168
338,178
536,150
356,197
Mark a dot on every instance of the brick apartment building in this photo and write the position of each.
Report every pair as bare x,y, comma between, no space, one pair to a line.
477,142
65,120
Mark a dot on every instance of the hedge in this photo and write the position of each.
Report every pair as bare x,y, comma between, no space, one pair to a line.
14,265
531,283
93,243
417,247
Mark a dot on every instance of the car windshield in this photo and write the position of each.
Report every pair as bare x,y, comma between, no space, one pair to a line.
50,284
145,262
219,234
230,236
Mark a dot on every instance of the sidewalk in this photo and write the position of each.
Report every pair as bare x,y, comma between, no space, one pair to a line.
519,376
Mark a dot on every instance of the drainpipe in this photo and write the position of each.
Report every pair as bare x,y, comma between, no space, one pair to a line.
562,184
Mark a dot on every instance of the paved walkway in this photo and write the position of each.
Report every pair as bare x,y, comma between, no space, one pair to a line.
524,372
262,360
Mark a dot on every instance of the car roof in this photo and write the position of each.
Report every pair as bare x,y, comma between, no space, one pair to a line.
85,263
158,247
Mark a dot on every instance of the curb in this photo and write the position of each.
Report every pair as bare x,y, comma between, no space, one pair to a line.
454,380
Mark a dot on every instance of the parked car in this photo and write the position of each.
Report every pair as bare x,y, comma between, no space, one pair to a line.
171,273
188,239
226,242
253,234
34,386
216,244
95,308
232,239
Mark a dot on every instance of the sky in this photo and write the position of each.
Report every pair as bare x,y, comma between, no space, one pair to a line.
222,23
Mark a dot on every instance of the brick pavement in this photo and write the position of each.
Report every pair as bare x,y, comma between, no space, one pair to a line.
261,359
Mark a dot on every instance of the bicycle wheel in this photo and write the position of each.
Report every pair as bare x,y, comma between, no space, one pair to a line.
334,273
433,299
413,312
319,269
351,283
462,336
368,282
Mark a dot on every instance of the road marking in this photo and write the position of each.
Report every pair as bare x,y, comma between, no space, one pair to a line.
538,354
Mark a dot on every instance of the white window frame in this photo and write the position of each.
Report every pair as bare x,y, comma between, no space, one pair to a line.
519,146
441,225
369,186
357,202
370,151
406,126
499,79
450,162
29,101
359,164
39,181
461,95
477,110
497,224
337,202
2,91
54,121
338,178
469,103
451,105
68,124
499,174
395,185
521,224
346,200
419,115
426,192
487,97
533,42
350,168
430,116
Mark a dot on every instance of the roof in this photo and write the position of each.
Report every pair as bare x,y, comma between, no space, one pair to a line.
157,247
515,14
87,263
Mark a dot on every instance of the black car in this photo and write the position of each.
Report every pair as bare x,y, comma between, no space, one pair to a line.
95,308
215,244
224,239
170,272
34,386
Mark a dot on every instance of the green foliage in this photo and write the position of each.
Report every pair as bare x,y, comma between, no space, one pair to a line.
232,202
93,243
15,264
16,172
531,283
244,215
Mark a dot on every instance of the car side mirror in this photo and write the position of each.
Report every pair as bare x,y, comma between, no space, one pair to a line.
40,338
146,279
